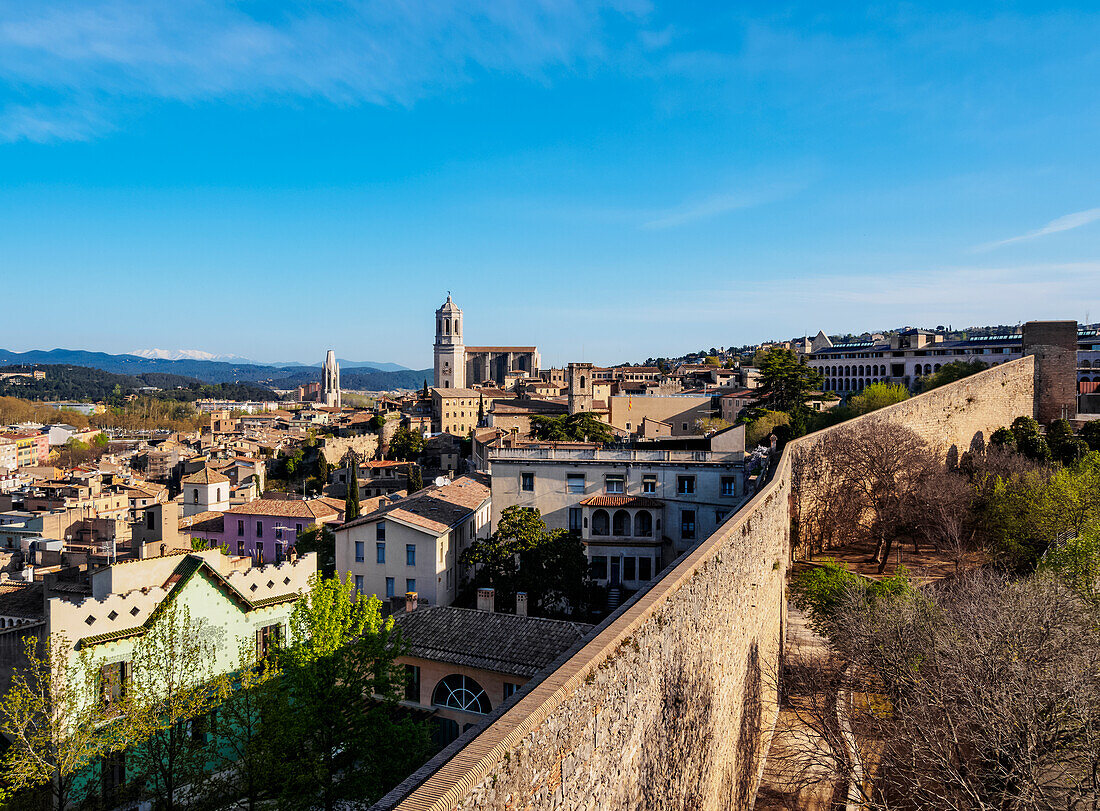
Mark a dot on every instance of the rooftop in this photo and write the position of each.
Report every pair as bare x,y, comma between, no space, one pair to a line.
435,508
205,476
317,508
503,643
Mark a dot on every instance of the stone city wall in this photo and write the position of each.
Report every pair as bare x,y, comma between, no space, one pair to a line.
671,703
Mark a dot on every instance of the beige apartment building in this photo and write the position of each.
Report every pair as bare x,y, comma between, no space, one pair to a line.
413,545
455,411
682,412
636,509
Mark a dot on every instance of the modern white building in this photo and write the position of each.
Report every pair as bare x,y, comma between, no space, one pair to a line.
413,545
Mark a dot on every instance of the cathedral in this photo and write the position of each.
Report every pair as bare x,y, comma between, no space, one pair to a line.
458,366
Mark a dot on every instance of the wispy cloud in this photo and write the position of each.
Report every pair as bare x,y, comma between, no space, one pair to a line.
104,53
718,204
1066,223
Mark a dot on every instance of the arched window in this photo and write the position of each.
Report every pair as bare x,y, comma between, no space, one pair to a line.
196,495
456,327
861,370
936,368
1085,364
600,523
446,326
620,524
643,524
928,368
461,693
582,381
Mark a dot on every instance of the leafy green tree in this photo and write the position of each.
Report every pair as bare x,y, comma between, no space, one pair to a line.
338,711
406,445
173,685
415,481
1003,438
319,538
1077,562
763,424
786,382
243,754
1091,434
580,427
1029,441
876,396
522,555
950,372
53,729
377,422
424,392
827,588
480,409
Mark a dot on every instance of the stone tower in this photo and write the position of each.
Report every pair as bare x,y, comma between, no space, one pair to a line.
450,353
330,380
579,380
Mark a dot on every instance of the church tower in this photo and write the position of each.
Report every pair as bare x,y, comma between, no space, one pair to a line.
330,380
450,354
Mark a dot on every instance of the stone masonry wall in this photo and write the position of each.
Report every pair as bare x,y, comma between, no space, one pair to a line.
671,704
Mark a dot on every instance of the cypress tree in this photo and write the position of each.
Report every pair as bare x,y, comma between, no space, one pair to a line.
415,479
351,500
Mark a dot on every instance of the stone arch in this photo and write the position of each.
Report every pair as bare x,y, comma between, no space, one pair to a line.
601,523
620,523
643,524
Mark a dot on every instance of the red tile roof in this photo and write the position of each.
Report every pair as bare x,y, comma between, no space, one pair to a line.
317,508
621,501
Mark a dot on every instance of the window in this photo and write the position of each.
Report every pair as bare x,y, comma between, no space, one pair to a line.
195,497
410,585
278,533
574,483
297,529
259,529
359,583
685,485
643,524
613,484
412,683
380,531
628,568
410,554
240,548
389,587
720,515
599,567
267,638
202,728
510,689
112,769
358,551
113,679
620,523
687,525
729,486
527,482
380,553
461,693
575,519
649,484
683,426
240,528
644,572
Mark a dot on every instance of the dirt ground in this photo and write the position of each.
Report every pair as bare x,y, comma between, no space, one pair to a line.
929,564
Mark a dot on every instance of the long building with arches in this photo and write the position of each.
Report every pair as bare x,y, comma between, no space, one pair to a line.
908,356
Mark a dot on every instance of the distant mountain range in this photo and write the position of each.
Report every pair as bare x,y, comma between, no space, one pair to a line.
352,376
198,354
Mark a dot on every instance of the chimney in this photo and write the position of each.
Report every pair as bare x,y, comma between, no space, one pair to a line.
485,600
410,601
521,603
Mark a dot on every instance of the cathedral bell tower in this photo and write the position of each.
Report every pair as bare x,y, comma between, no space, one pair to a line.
450,353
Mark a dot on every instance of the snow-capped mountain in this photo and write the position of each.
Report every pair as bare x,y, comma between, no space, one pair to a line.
186,354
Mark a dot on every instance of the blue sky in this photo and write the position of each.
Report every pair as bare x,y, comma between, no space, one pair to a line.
610,180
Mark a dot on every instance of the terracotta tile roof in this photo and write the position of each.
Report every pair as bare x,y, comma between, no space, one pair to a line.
317,508
503,643
621,501
22,600
205,476
209,521
434,508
